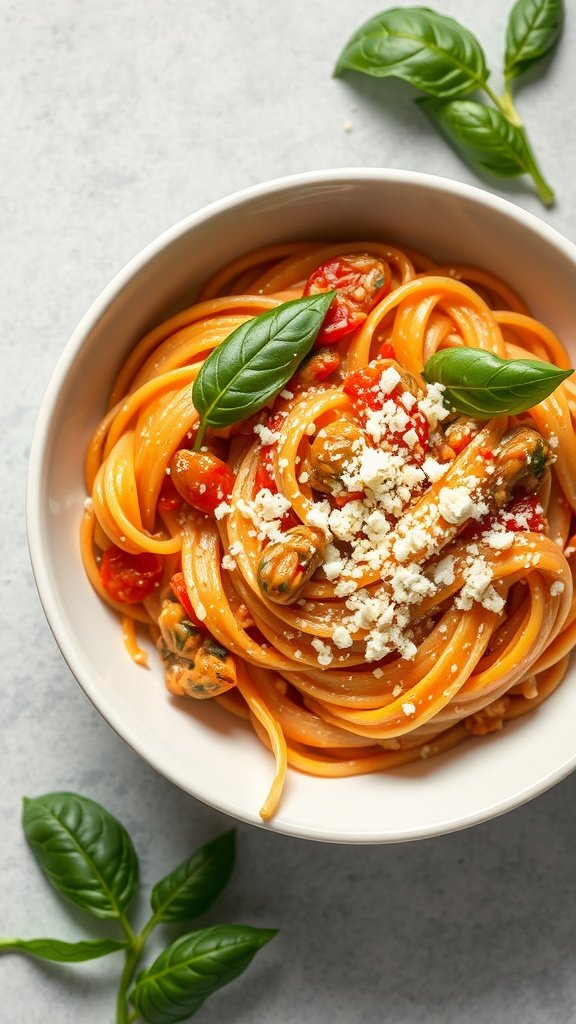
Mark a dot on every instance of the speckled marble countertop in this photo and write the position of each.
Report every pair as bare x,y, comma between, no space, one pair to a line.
119,118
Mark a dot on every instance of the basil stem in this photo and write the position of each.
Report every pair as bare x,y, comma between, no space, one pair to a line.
479,384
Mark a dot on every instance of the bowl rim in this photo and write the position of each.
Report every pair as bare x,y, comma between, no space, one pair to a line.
35,480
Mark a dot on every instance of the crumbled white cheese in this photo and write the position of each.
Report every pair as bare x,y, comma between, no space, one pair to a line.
443,574
342,637
433,469
324,653
556,588
266,435
223,509
457,504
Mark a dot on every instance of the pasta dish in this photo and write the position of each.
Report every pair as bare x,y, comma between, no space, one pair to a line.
361,570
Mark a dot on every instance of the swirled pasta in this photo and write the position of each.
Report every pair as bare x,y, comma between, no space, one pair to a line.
384,579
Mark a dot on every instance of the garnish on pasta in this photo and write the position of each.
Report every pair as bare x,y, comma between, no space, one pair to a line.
324,544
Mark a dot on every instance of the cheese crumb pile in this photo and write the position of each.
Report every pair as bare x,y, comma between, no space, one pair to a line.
360,539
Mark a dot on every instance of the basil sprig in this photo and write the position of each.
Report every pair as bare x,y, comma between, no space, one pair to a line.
89,858
480,384
252,365
443,59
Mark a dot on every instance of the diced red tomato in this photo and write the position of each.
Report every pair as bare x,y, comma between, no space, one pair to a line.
363,390
129,578
181,594
340,500
360,281
316,368
523,514
264,477
387,351
169,499
365,394
203,480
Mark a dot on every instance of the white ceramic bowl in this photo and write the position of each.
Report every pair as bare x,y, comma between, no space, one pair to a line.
203,750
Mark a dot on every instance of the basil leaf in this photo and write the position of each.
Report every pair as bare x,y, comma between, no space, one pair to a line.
482,385
252,365
192,968
190,889
481,135
431,51
62,952
534,28
85,853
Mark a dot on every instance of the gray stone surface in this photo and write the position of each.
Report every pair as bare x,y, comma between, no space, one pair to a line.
118,118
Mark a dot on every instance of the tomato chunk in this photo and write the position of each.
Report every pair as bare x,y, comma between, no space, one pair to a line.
169,499
524,514
130,578
360,281
203,480
181,594
364,391
264,477
318,367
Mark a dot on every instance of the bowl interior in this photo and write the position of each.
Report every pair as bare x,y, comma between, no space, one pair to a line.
196,745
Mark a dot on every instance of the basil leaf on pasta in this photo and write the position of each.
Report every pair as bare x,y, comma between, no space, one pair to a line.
252,365
480,384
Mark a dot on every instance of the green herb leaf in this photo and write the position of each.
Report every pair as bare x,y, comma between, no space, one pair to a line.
253,364
190,889
481,135
429,50
85,853
534,28
62,952
192,968
482,385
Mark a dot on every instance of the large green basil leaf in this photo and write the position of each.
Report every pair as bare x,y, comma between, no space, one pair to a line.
192,968
481,135
62,952
431,51
190,889
252,365
85,853
482,385
534,28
